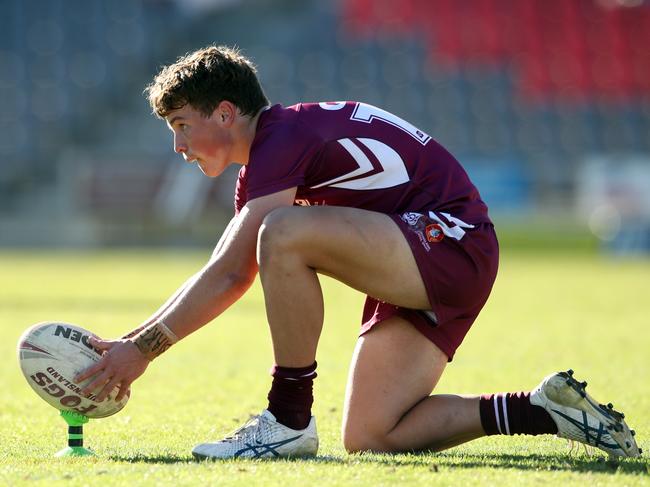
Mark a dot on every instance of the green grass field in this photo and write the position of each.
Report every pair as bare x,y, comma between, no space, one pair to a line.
548,311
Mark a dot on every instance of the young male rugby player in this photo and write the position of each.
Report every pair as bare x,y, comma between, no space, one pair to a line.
354,192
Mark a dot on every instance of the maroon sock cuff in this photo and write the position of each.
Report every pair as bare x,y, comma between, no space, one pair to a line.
294,372
513,414
291,395
488,418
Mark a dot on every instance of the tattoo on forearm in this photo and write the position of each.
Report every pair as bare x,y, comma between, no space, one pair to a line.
135,332
154,340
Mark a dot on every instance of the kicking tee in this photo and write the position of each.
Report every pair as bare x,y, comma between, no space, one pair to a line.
356,155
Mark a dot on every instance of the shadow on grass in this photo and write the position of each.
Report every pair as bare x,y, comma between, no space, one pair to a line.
159,459
441,461
530,462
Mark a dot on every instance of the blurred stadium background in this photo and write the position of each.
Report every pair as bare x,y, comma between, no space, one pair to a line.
545,102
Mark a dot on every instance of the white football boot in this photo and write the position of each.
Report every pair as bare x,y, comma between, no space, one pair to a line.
262,437
579,417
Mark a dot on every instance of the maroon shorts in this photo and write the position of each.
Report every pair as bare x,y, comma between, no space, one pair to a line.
458,274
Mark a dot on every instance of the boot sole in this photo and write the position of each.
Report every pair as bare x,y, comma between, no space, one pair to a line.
564,389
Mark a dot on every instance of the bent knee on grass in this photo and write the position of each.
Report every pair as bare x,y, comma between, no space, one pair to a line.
378,442
364,440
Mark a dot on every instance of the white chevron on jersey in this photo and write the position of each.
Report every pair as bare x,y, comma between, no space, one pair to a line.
393,170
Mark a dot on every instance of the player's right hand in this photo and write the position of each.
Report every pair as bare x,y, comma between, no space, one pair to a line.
120,365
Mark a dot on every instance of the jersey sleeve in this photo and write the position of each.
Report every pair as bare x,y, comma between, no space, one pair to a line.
282,159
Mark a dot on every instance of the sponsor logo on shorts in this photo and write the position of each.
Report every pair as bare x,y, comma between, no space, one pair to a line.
450,226
305,202
434,233
411,218
423,241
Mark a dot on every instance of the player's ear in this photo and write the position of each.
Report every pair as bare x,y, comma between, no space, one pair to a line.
225,112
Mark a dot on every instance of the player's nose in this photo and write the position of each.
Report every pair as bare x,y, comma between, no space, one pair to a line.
180,147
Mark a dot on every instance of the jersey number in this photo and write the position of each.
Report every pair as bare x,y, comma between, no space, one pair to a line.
367,113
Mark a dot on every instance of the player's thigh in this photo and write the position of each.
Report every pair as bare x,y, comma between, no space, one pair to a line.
364,249
394,367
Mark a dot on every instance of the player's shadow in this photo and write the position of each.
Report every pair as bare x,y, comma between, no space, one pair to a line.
531,462
158,459
441,461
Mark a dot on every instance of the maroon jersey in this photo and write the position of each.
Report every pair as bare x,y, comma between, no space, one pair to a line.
356,155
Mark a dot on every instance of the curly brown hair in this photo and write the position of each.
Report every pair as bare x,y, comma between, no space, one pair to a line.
203,79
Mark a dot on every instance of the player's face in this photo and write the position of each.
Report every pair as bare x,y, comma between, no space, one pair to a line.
206,141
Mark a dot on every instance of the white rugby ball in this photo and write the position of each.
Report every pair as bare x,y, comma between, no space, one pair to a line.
50,355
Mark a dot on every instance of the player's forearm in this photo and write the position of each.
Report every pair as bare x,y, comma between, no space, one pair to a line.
172,300
219,284
203,300
213,291
206,299
160,311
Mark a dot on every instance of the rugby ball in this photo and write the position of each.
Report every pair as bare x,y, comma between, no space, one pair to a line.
50,355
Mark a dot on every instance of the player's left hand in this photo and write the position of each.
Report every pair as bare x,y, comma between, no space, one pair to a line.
120,365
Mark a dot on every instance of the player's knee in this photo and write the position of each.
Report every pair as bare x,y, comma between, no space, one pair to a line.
276,235
357,440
